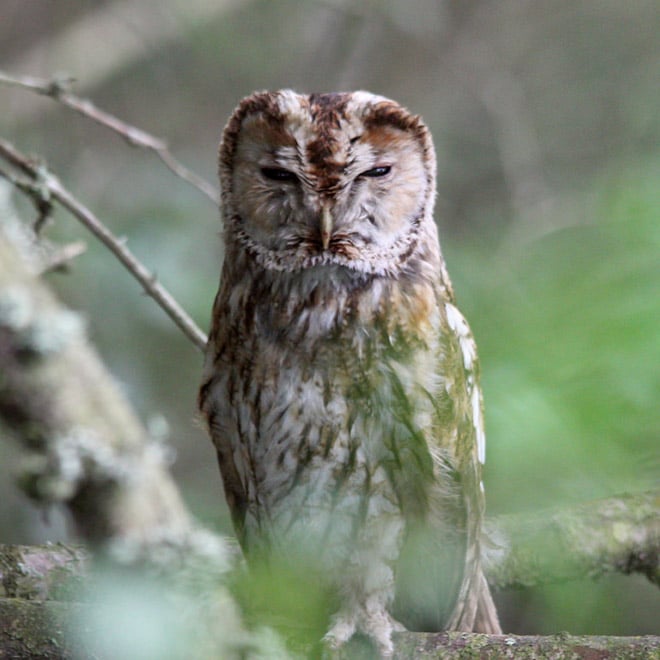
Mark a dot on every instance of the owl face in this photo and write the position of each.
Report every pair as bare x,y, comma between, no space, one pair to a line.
326,179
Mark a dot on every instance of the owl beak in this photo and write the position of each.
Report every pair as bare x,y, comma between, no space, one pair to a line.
326,227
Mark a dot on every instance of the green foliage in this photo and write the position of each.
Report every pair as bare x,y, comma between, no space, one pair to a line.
567,327
288,597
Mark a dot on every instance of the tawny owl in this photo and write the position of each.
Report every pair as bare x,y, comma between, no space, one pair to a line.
341,381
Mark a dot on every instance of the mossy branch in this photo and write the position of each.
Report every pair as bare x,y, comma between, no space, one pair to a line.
615,535
47,630
618,534
44,188
86,450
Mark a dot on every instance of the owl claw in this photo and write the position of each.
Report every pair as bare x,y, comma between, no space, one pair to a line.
339,634
377,625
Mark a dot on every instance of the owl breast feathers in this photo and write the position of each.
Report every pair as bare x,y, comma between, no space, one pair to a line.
341,382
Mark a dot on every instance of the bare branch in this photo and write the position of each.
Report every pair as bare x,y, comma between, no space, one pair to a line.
46,186
63,256
59,90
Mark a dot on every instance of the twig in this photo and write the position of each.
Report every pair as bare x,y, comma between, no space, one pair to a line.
47,186
61,258
59,90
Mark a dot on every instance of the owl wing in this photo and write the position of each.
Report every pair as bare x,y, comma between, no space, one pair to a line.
460,371
234,483
467,449
215,395
439,564
235,492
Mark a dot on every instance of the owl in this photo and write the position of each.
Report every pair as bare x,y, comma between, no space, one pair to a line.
341,382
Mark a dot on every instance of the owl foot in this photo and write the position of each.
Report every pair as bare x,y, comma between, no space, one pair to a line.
374,622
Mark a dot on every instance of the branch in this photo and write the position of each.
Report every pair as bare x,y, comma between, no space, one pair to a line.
615,535
563,646
87,448
53,630
45,187
87,451
38,630
59,90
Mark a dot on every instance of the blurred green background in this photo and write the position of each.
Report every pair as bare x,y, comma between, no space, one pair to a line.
546,122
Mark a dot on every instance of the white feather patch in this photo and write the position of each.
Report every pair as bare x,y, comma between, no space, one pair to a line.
459,325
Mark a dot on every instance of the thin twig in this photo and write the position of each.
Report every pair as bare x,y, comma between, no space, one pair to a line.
59,90
47,184
61,258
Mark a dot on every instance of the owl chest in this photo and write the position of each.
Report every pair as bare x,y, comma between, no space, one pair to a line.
330,440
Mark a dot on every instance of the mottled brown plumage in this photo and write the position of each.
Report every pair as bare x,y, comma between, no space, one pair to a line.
341,382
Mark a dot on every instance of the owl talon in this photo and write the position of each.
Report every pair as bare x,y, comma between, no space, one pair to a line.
339,634
377,625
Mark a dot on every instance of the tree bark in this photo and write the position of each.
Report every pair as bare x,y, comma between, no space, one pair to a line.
559,647
39,629
42,572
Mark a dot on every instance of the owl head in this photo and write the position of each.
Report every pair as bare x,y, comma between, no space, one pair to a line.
326,179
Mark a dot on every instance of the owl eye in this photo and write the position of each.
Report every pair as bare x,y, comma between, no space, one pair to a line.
381,170
279,174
